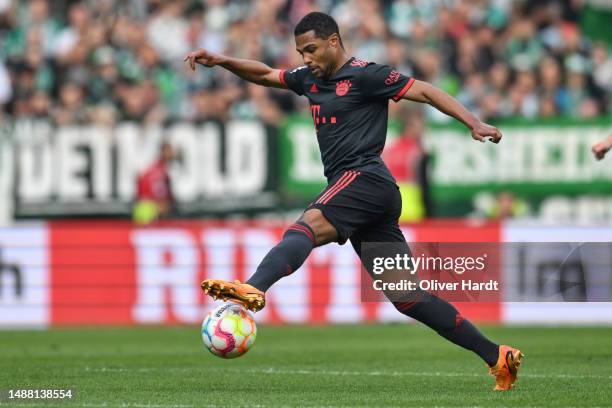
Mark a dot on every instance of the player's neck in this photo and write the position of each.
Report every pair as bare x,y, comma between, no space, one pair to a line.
341,61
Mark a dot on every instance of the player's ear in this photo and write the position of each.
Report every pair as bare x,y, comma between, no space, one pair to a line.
334,40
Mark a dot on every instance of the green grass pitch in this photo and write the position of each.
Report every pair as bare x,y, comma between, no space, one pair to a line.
296,366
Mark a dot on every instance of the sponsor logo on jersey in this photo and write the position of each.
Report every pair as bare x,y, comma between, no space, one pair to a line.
392,78
314,88
343,87
359,63
318,119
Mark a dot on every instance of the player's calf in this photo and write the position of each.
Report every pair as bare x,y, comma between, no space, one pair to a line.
286,257
442,317
282,260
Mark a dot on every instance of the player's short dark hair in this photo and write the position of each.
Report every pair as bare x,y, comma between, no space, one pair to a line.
322,24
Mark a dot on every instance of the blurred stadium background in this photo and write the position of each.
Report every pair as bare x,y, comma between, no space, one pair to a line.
99,225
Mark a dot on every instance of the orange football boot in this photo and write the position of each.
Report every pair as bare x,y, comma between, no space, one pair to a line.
243,293
506,368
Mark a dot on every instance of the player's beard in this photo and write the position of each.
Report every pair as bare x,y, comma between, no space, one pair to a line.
327,73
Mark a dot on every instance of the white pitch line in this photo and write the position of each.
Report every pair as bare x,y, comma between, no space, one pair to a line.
140,405
275,371
411,373
44,403
136,405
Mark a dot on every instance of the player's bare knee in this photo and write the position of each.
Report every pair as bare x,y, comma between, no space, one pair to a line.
324,231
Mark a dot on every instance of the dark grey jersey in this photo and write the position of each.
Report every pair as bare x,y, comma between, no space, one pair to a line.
350,113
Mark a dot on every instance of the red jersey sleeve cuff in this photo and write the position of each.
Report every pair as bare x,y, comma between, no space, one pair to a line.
281,77
402,91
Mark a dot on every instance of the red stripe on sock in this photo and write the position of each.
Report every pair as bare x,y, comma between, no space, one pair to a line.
340,181
342,187
303,229
402,307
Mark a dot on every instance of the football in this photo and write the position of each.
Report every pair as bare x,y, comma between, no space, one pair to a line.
229,331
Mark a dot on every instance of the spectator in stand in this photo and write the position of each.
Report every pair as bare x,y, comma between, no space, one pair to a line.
507,206
154,189
71,109
529,58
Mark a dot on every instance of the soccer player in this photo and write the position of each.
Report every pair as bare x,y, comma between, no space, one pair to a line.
349,103
602,147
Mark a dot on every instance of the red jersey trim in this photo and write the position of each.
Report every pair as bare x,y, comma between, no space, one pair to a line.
405,89
281,76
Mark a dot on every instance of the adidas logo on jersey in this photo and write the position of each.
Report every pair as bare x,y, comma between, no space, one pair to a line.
314,88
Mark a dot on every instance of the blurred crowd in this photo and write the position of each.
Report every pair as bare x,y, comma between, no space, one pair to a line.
105,61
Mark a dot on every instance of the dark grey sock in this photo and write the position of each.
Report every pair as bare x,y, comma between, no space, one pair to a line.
442,317
285,258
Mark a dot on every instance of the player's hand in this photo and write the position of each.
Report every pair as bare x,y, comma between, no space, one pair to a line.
600,148
481,131
201,56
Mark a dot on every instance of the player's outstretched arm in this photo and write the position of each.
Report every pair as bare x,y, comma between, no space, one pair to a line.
602,147
252,71
426,93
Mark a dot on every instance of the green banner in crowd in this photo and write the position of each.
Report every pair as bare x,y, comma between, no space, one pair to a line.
301,168
547,167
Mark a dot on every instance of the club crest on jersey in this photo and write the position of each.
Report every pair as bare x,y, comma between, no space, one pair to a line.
343,87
